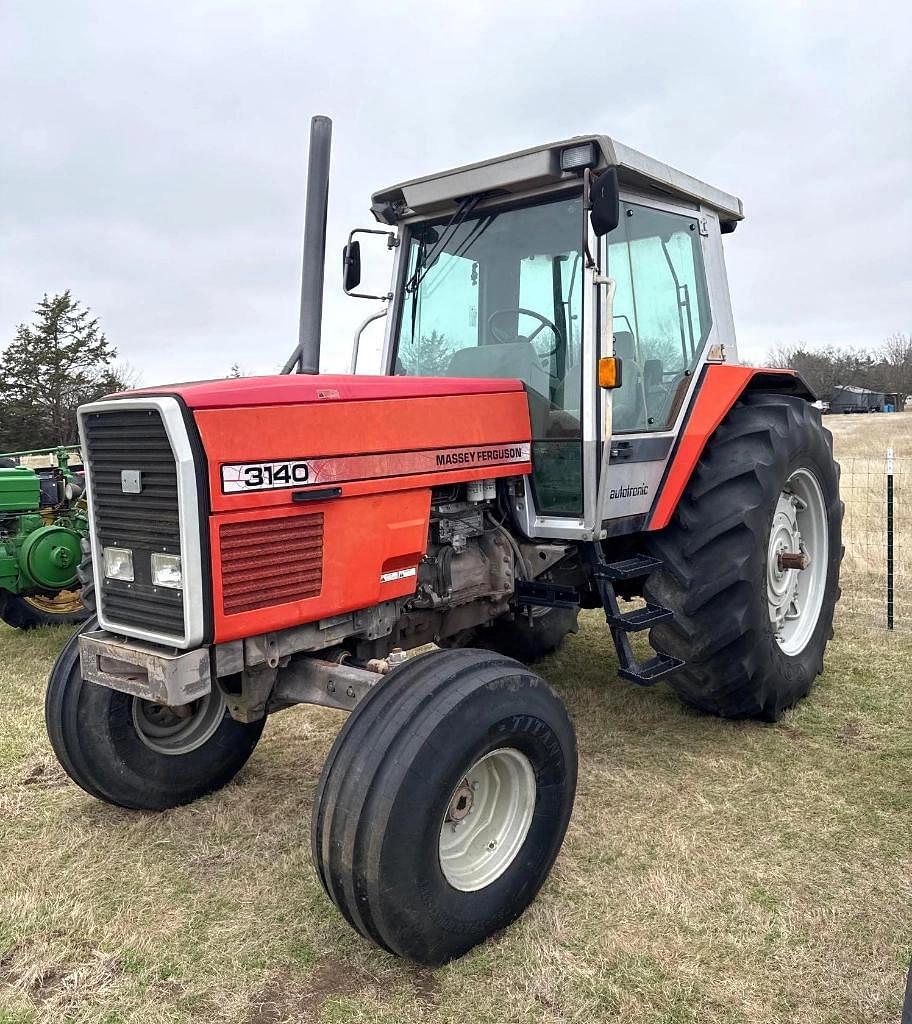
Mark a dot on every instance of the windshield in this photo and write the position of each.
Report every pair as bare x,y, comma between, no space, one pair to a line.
499,294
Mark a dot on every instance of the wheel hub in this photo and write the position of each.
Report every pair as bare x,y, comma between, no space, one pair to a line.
796,561
487,819
461,803
178,730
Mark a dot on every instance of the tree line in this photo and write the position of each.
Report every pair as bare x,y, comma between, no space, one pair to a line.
62,360
887,369
54,364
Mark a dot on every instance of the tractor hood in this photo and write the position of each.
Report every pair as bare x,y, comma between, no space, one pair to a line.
304,389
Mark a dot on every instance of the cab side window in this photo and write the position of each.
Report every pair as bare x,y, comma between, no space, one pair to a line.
661,313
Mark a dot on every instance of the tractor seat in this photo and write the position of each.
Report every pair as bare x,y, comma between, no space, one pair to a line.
509,361
628,404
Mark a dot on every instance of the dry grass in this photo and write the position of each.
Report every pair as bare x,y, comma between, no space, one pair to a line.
861,443
713,872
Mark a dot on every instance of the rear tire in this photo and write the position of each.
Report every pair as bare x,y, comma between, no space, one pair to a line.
133,753
86,576
527,642
716,560
24,611
394,839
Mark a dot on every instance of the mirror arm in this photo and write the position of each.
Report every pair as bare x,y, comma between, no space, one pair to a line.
587,208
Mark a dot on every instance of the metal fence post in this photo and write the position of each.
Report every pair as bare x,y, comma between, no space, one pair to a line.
889,538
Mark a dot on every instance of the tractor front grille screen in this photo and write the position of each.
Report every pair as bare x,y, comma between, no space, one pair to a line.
271,561
133,476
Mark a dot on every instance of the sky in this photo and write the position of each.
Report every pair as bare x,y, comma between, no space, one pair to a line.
153,153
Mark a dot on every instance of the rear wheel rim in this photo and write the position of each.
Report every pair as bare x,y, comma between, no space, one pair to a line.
795,596
67,602
487,819
170,731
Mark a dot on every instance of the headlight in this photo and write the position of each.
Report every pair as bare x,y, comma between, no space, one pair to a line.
166,571
118,564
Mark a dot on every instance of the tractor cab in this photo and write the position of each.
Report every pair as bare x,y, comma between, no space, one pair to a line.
536,266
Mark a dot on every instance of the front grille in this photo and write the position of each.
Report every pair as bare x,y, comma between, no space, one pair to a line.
135,439
271,561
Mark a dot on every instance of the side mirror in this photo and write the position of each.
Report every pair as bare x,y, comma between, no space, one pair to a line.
604,202
351,266
351,262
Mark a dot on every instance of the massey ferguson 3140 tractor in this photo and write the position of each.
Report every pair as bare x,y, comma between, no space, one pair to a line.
561,424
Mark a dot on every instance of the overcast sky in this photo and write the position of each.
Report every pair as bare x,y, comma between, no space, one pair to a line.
152,154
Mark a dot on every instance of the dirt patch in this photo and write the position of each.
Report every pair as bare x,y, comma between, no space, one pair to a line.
283,1000
427,988
851,732
793,732
58,984
44,775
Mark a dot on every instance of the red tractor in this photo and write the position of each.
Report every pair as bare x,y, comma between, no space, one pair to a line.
561,424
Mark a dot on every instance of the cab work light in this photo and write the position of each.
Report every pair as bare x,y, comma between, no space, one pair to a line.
578,158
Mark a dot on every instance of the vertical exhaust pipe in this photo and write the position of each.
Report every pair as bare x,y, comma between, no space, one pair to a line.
306,356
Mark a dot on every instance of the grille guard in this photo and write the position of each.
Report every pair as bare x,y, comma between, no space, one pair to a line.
145,670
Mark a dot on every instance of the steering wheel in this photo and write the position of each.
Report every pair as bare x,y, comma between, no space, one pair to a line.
544,322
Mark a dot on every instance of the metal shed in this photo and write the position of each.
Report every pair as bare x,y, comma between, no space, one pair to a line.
850,398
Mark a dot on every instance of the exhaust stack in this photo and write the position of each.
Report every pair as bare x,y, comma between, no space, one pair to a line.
306,356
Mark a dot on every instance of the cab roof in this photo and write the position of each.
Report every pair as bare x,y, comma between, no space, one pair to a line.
540,167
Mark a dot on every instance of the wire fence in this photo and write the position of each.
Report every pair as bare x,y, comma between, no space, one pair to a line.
876,573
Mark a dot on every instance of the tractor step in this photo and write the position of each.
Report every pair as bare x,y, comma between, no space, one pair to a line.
605,575
628,569
544,594
645,673
640,618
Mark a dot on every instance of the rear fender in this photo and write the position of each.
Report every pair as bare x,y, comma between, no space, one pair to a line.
718,390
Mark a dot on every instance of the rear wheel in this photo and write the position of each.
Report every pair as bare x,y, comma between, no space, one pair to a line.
528,638
135,753
64,608
86,575
444,802
751,562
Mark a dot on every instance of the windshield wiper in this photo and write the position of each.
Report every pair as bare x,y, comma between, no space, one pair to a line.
427,260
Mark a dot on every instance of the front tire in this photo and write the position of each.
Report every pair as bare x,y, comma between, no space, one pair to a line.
444,802
751,632
137,754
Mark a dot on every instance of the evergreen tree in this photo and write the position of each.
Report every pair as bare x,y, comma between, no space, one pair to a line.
428,357
52,366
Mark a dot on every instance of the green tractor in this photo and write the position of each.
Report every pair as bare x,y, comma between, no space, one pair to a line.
43,520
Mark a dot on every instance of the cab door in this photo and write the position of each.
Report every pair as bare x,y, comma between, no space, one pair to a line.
662,325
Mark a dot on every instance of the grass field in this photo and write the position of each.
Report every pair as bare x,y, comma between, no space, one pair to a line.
713,872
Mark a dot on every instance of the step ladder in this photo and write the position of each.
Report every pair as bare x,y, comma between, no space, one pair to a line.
605,574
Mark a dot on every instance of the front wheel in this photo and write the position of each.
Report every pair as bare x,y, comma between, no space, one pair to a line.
751,562
444,802
135,753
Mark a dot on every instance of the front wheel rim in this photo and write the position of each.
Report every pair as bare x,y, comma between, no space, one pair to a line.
174,731
487,819
799,528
